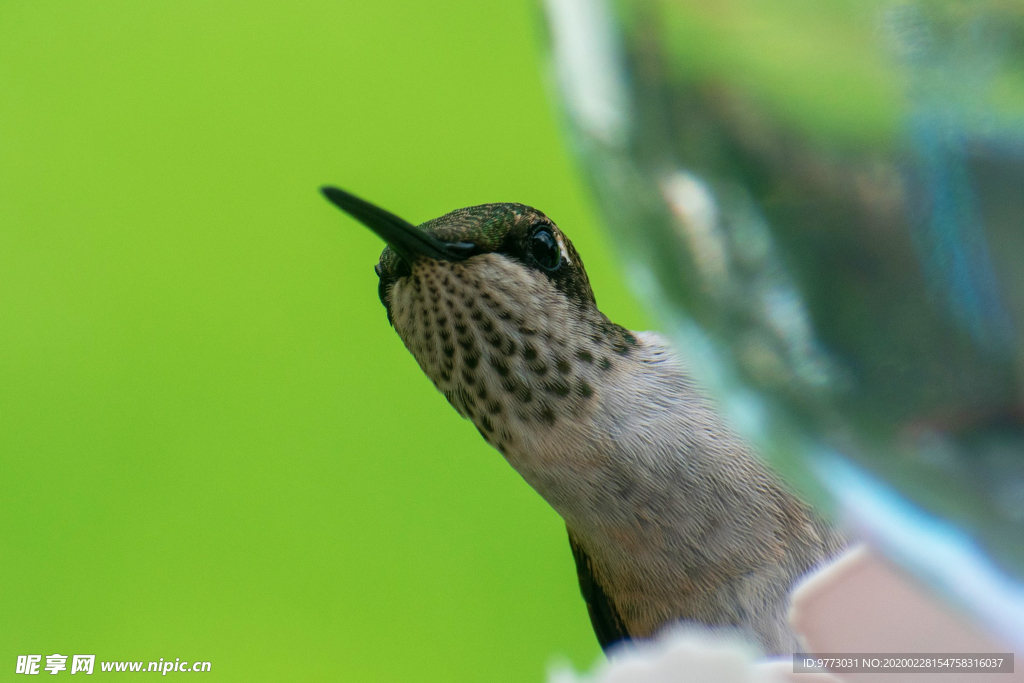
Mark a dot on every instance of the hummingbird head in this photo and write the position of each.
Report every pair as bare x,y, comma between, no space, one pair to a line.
496,307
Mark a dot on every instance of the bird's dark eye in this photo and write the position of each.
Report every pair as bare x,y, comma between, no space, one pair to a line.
545,249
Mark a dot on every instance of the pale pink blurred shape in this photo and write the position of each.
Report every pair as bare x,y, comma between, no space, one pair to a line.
862,604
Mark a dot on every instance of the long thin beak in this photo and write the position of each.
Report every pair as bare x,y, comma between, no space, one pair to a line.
401,235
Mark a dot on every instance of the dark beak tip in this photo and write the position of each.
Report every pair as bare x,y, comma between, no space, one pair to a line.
335,196
402,236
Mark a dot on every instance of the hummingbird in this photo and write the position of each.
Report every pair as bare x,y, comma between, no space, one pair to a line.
670,516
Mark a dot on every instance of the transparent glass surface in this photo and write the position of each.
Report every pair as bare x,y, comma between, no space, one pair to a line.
825,202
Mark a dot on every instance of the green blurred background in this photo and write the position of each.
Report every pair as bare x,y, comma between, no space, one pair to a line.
212,445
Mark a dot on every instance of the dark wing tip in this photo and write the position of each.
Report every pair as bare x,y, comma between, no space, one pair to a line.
605,619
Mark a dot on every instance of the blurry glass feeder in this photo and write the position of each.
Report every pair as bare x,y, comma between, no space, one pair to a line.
825,202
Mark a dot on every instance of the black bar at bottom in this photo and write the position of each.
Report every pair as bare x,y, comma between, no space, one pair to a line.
904,662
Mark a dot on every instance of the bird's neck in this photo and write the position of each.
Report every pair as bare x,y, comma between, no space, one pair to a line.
612,456
652,464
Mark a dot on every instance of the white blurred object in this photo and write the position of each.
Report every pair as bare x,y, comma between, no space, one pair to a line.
586,57
682,656
857,604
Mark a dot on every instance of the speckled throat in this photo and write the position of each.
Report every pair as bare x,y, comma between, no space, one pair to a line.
504,347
